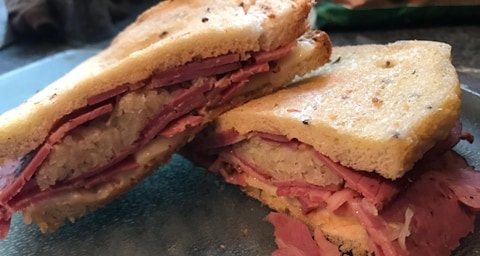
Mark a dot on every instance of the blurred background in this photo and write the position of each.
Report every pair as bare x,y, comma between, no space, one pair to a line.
31,29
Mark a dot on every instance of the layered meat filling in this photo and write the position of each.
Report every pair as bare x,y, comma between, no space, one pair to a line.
95,143
292,163
104,135
396,215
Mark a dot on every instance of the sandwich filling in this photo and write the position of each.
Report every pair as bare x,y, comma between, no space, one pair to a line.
91,144
299,242
401,217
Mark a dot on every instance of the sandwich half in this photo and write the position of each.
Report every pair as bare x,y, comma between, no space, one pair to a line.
94,133
359,150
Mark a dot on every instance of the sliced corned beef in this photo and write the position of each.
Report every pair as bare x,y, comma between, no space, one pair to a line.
175,117
294,238
424,213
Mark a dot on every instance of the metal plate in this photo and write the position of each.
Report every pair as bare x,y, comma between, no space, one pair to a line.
180,209
470,245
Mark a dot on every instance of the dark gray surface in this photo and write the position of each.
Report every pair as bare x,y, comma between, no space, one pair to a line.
22,52
470,246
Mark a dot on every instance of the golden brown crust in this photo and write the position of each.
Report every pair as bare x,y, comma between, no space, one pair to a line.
160,38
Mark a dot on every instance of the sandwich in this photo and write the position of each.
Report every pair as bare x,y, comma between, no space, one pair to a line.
93,134
360,151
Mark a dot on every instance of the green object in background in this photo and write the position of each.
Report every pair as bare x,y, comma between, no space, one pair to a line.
334,16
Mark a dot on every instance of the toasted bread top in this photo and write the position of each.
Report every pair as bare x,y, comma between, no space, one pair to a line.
167,35
373,108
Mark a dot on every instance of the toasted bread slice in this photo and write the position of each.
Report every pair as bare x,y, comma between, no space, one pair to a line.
375,108
161,38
